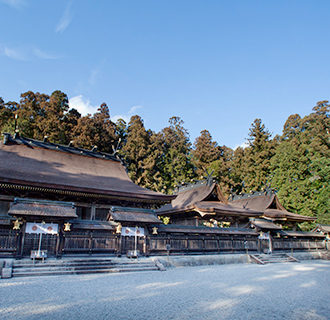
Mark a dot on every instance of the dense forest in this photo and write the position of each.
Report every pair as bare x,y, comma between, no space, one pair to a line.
296,164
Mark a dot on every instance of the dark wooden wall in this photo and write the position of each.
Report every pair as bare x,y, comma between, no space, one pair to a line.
96,242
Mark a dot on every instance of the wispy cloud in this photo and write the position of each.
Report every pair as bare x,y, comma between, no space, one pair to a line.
17,4
16,54
25,53
43,55
82,104
127,116
94,75
65,19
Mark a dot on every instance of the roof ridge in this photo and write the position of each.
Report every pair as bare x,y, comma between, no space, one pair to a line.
59,147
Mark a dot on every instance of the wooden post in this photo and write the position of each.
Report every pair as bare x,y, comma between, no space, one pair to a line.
119,245
90,244
59,240
17,243
21,243
93,212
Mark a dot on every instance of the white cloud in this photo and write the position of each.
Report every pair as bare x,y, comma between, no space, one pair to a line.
133,109
242,145
83,105
65,19
127,116
16,54
17,4
26,52
43,55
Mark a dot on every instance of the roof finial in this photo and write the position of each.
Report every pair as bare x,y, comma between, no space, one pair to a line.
209,177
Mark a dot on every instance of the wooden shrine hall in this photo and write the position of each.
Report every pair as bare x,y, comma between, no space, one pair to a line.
203,204
66,200
86,196
259,216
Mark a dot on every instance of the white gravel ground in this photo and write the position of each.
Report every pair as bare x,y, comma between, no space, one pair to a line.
241,291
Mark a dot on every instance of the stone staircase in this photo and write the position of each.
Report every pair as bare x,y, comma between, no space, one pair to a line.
272,258
55,267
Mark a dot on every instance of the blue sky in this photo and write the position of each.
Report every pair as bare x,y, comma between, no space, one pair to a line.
218,65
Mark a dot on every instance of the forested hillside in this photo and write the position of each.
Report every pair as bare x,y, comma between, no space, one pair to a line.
295,164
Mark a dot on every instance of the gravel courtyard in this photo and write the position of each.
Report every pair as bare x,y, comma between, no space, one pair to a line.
240,291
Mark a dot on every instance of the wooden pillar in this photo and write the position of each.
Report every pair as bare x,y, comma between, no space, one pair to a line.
59,241
93,212
21,242
118,245
17,243
90,244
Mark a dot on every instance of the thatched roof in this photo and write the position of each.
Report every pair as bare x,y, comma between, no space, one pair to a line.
42,209
204,198
120,214
270,205
206,230
28,163
264,224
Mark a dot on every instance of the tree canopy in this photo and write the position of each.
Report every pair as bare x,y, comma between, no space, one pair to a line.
295,164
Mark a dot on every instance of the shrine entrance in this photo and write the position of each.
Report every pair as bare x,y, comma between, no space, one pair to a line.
265,243
132,239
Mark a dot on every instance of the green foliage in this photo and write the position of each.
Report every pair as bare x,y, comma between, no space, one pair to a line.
176,165
301,165
257,157
297,164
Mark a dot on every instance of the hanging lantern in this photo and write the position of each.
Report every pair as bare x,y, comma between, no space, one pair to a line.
67,226
118,228
17,225
154,230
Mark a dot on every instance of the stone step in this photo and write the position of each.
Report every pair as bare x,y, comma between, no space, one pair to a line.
273,258
39,264
26,268
88,271
80,267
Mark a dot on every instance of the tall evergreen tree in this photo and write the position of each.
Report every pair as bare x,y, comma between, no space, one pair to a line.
205,152
136,150
257,157
301,165
176,163
51,120
97,130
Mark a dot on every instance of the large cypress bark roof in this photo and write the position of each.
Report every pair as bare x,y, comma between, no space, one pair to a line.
42,209
270,205
33,163
199,198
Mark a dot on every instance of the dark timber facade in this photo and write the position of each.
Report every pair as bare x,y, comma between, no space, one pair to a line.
67,200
